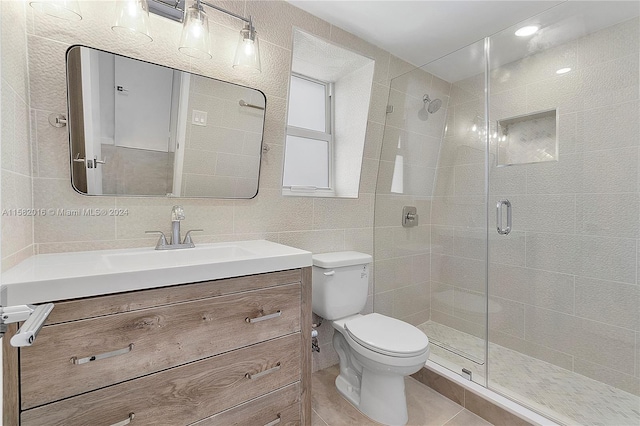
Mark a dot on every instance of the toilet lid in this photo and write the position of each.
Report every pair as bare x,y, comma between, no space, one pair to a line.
386,335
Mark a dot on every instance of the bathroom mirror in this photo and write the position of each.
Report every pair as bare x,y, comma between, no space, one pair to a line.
141,129
328,108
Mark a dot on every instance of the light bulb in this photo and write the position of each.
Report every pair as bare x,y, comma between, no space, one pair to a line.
248,50
132,9
527,31
195,41
249,47
196,29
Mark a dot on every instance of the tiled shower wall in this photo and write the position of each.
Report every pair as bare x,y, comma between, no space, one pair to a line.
408,161
318,225
15,134
563,285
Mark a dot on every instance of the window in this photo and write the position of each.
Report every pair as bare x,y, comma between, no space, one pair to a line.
309,142
328,108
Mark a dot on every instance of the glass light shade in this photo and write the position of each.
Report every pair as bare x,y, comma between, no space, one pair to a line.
248,51
132,20
195,39
63,9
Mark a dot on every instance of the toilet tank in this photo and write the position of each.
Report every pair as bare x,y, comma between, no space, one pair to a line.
340,283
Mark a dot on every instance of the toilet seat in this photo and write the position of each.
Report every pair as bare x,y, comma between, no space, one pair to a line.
387,336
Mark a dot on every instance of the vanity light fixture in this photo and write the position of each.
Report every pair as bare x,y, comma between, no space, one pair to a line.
195,39
248,50
132,19
563,70
63,9
527,31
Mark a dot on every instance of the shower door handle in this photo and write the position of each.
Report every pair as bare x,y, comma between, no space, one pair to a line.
501,230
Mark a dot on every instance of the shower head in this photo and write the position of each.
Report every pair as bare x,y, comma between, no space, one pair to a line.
429,107
434,106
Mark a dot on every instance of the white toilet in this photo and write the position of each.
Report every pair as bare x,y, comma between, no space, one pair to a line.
376,352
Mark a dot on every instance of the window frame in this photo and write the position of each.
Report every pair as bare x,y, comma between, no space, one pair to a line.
327,136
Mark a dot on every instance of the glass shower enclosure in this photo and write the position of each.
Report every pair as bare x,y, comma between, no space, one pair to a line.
520,155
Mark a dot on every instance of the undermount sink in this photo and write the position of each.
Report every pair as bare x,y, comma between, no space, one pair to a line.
60,276
164,258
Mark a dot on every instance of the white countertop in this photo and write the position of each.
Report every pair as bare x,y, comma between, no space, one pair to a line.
61,276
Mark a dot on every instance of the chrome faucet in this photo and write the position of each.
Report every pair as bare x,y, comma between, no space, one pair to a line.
177,215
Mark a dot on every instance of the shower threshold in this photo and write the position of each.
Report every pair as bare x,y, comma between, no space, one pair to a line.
565,396
455,351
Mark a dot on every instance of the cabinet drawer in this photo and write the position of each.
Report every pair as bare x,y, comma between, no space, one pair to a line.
73,310
281,407
184,394
75,357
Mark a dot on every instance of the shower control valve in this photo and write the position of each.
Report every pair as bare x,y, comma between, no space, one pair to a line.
409,216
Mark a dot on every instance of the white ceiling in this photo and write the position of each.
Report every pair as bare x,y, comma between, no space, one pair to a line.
324,61
421,31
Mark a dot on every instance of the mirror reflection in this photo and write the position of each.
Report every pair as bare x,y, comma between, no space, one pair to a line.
142,129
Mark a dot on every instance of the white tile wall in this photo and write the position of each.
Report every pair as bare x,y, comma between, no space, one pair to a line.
565,280
608,302
576,222
589,340
402,259
15,134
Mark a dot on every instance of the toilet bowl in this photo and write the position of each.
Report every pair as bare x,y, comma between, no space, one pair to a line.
376,352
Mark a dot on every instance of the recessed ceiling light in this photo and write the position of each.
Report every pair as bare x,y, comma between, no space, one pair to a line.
563,70
527,31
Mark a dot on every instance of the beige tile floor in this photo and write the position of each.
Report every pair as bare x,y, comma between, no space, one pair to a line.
426,406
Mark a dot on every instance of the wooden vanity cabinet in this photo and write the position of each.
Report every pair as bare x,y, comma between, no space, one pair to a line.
231,351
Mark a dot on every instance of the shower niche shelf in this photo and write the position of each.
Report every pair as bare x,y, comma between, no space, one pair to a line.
527,139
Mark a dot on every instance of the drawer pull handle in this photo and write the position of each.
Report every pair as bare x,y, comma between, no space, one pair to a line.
263,317
262,373
78,361
274,422
125,421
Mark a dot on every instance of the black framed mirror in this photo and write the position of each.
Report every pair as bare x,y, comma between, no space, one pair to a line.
142,129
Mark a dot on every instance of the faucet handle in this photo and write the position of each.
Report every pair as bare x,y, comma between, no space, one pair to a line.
162,241
187,237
